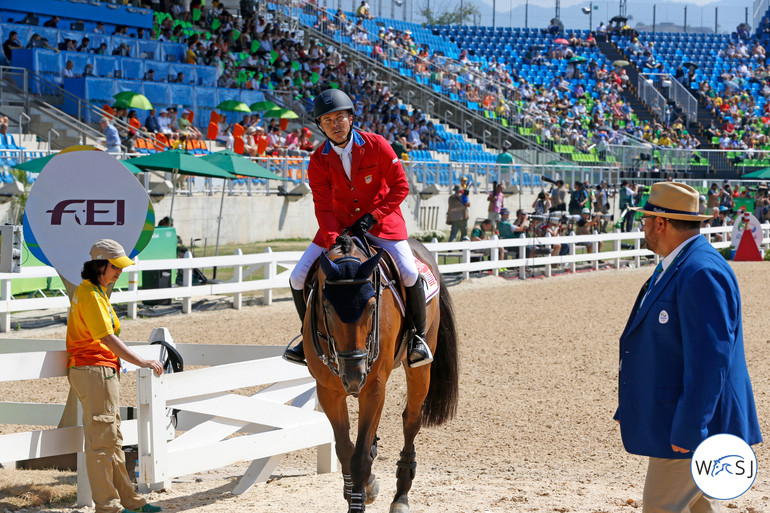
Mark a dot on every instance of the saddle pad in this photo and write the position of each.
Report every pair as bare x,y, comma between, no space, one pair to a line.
430,283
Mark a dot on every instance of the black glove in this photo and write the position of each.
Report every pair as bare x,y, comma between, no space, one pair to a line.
363,224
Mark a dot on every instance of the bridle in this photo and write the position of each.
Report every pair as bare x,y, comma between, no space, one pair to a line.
335,358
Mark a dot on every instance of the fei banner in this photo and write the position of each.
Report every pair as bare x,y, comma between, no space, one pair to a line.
83,195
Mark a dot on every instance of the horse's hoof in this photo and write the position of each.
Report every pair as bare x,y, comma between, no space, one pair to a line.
399,506
372,489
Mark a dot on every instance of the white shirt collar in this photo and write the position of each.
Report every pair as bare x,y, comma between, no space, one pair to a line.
672,256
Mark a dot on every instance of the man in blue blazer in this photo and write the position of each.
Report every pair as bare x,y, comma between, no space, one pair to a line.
682,375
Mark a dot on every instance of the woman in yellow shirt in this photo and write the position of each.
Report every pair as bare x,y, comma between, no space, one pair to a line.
93,358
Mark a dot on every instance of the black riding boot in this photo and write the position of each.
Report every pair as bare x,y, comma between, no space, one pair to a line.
418,352
296,354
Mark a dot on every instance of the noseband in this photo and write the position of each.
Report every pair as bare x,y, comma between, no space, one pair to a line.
335,358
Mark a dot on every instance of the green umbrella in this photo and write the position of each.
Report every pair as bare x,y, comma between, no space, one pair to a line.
179,161
234,106
578,58
262,106
760,173
132,100
236,164
620,63
281,113
37,165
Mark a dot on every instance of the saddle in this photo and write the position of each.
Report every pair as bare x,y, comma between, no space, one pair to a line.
391,278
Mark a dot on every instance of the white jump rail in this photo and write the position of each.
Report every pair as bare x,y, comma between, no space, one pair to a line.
278,265
278,419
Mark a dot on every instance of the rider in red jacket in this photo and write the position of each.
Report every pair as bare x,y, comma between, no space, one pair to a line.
358,181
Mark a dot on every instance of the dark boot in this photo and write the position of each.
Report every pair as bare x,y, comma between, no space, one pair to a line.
296,354
418,352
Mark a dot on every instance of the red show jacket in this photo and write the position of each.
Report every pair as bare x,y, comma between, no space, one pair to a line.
377,186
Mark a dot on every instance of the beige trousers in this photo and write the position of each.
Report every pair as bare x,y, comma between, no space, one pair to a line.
669,488
98,389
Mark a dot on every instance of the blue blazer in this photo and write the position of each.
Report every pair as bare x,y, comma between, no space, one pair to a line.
683,373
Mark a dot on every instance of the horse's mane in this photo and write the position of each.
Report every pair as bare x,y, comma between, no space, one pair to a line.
344,244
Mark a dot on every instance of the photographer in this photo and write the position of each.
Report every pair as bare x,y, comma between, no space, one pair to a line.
495,200
579,199
542,204
518,228
558,197
457,213
627,200
586,226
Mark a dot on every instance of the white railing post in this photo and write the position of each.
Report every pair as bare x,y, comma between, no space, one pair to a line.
152,433
187,284
548,265
270,272
617,247
238,278
434,254
466,259
637,247
83,484
494,256
5,297
595,251
523,257
572,252
133,286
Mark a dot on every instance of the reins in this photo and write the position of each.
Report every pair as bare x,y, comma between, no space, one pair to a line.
334,358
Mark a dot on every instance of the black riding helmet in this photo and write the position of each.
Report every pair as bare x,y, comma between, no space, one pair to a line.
331,100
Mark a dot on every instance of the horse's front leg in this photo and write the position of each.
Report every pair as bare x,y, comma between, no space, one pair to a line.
333,403
365,488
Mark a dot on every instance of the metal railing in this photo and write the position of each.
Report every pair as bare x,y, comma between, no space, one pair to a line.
676,93
652,98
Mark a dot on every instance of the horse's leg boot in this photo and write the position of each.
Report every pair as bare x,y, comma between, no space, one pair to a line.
296,354
418,351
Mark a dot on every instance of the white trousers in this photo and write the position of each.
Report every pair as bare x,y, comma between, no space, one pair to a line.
398,249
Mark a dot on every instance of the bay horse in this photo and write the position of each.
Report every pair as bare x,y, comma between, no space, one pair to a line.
352,335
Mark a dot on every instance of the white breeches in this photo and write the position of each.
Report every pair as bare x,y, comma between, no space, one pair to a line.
398,249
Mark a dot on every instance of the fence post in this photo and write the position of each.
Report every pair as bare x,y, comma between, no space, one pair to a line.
434,254
270,272
187,283
637,247
133,286
152,420
523,267
5,297
617,247
83,484
238,278
494,256
548,265
595,250
467,259
572,252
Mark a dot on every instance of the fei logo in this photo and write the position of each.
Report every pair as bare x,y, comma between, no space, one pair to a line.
724,466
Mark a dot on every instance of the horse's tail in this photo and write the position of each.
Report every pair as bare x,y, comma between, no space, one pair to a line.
441,402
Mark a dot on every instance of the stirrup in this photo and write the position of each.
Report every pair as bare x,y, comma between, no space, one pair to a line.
419,353
295,354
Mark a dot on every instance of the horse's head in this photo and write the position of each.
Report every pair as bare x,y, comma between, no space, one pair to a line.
349,311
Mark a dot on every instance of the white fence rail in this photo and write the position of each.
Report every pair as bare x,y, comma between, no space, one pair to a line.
278,419
278,265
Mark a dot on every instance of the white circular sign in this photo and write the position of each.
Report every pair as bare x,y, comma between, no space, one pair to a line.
724,467
739,227
79,198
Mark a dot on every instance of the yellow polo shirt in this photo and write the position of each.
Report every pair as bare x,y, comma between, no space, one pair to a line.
91,318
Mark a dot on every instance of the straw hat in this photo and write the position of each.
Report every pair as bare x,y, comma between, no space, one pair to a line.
673,200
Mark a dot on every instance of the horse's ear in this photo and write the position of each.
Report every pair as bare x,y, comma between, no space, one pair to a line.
329,268
367,267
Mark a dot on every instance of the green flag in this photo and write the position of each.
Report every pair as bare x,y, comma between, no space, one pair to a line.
215,24
196,15
242,78
236,34
295,65
314,77
334,85
273,56
255,44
